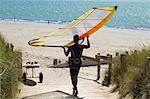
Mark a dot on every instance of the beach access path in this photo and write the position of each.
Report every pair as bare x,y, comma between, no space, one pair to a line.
57,85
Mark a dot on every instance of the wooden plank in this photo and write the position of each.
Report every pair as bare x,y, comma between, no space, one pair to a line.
92,58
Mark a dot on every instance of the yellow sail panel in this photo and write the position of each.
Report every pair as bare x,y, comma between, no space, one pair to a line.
83,26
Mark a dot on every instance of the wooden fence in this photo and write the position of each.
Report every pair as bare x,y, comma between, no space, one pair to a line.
108,57
98,58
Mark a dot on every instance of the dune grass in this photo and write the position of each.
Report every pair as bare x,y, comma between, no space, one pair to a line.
133,78
10,70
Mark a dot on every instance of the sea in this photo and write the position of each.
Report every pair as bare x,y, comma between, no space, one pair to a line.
131,14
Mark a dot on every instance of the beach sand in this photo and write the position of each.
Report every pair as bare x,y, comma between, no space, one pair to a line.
105,41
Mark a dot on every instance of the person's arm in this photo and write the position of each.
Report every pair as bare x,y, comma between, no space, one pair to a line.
82,40
66,52
88,42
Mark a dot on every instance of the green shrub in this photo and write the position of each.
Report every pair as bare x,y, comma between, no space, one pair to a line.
12,62
135,76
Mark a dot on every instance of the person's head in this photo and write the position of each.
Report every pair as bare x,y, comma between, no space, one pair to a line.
76,38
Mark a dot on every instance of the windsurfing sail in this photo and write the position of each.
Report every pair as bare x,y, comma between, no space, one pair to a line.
83,26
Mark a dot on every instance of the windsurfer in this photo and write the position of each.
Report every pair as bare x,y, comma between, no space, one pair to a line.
75,60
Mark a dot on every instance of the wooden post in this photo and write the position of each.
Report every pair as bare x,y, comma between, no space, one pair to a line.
107,79
107,55
110,68
123,62
98,65
117,53
127,53
110,64
55,62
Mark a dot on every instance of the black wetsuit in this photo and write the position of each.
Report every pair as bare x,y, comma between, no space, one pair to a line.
75,61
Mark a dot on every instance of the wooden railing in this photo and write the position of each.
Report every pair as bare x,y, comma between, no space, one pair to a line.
98,58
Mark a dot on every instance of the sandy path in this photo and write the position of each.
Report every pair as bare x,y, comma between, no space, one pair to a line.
59,79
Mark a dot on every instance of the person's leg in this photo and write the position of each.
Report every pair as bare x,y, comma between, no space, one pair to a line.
73,76
76,81
72,79
73,73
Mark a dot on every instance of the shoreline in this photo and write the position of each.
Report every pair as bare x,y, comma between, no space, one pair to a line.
30,21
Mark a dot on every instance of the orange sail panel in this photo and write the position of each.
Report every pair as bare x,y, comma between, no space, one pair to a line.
83,26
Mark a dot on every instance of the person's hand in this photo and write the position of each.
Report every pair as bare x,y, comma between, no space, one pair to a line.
63,47
83,39
87,36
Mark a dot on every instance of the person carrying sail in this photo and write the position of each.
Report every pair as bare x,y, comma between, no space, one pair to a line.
75,60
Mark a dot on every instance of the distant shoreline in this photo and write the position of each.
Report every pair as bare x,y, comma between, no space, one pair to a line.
64,22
